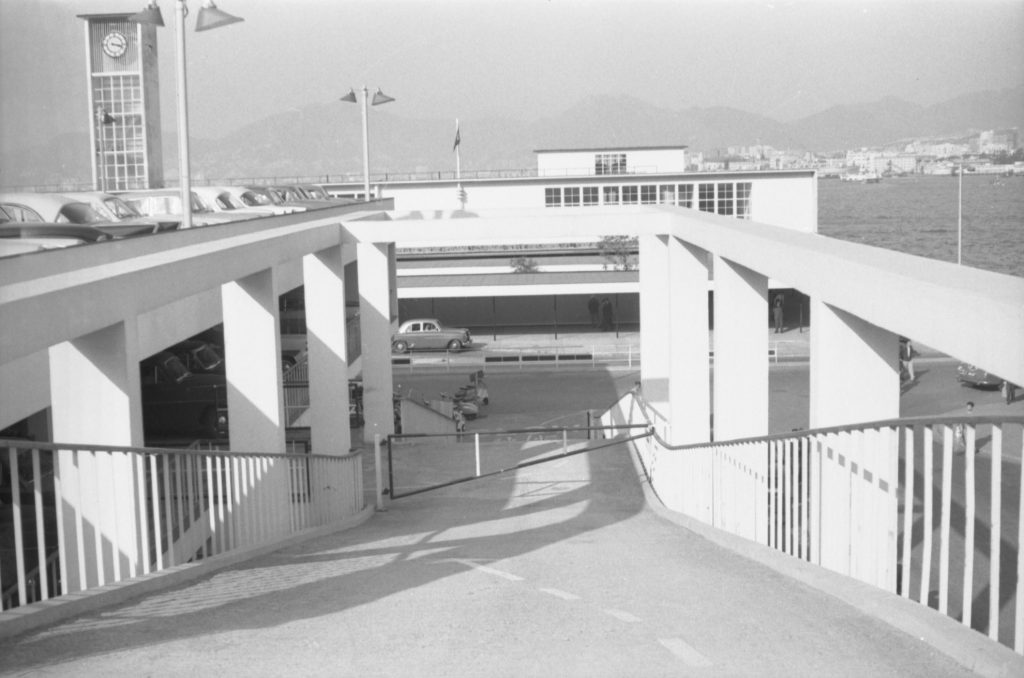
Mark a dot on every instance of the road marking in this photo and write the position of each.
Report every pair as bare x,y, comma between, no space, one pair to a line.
684,651
564,595
487,570
623,616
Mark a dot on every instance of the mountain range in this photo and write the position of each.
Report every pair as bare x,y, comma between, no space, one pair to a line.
325,139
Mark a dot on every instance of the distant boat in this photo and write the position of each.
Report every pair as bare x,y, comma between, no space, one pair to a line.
862,177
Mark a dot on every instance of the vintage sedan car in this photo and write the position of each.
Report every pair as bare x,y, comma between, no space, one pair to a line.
50,208
246,197
429,333
975,376
18,237
220,200
122,219
166,203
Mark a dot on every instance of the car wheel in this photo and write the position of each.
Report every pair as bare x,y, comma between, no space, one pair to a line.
454,345
399,347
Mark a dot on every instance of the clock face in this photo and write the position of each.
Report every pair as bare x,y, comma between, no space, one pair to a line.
115,44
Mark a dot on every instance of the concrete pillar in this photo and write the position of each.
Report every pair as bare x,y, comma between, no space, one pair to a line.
741,351
324,279
655,343
375,327
689,379
854,369
96,400
252,356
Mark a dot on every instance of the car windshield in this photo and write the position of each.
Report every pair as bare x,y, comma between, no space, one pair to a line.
253,199
175,369
78,213
198,205
207,357
120,209
223,200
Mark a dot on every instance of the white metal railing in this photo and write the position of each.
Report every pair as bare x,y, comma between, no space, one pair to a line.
929,509
77,517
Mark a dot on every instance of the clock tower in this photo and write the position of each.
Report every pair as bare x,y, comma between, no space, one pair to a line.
124,103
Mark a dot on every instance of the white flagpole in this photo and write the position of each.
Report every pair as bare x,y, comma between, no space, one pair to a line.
458,153
458,166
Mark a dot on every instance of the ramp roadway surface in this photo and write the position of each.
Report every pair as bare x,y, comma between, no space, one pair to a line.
558,569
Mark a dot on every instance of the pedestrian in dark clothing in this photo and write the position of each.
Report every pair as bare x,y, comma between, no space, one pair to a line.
1009,391
777,313
607,315
594,308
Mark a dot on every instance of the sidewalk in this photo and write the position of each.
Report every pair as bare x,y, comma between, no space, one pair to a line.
791,344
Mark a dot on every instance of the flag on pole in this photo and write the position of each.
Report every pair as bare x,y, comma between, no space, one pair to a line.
458,136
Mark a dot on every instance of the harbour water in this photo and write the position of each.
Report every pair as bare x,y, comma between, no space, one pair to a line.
918,215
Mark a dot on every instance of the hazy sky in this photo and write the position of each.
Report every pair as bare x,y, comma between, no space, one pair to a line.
524,59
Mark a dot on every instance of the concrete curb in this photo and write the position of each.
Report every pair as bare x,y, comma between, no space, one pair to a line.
963,645
27,618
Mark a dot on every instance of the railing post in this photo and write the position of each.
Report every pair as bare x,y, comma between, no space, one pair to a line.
476,444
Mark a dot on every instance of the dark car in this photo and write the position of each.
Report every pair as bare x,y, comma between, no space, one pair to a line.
429,333
977,377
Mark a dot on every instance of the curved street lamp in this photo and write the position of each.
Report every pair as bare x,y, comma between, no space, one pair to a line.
378,98
209,17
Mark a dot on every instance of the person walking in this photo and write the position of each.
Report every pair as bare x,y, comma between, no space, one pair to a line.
594,308
777,313
607,315
907,354
960,430
1009,390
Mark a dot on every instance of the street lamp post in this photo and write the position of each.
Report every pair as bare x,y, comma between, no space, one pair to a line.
209,17
960,214
378,98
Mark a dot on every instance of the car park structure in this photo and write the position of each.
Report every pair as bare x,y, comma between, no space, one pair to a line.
106,311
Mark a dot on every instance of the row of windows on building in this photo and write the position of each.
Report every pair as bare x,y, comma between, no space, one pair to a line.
121,144
725,198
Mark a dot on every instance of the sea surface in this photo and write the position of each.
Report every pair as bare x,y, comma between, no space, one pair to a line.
918,215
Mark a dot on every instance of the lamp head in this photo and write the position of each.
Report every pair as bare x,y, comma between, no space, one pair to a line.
150,15
211,17
350,97
380,98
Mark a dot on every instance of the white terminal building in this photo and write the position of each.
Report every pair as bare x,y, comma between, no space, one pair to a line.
474,291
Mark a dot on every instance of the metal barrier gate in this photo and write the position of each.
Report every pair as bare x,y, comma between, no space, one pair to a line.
421,462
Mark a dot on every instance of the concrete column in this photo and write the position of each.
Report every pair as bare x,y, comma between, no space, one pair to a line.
375,326
741,351
855,373
690,379
96,400
655,344
324,280
393,286
252,356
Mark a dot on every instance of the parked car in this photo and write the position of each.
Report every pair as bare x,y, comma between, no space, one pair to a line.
975,376
290,195
429,333
244,197
123,219
165,203
47,207
219,199
179,403
199,356
24,237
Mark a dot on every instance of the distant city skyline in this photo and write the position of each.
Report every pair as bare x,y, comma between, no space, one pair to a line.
524,60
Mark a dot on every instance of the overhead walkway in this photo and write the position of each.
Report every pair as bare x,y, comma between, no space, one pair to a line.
560,568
